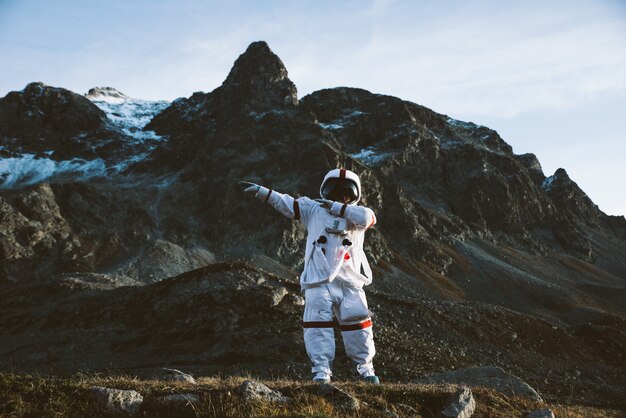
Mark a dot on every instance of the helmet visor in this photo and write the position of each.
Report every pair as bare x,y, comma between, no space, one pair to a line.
340,190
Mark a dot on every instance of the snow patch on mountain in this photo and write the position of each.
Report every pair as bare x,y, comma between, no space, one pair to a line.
258,116
29,169
460,124
127,114
369,156
331,126
346,119
547,183
130,116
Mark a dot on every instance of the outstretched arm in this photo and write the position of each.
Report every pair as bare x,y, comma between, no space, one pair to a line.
359,216
283,203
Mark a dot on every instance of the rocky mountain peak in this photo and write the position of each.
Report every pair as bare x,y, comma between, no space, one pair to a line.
107,94
257,85
35,88
569,197
41,110
260,78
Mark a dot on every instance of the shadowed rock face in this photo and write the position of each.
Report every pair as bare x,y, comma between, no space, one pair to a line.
259,80
256,86
41,118
570,199
473,244
41,110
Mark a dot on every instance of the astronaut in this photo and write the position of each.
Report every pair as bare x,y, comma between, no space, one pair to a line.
335,270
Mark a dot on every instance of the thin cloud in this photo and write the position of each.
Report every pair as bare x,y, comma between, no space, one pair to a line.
483,68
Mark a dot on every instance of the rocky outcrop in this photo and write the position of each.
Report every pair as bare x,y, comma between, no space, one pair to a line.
216,313
488,376
174,375
256,391
340,399
33,230
460,404
125,402
259,80
256,87
42,119
40,111
570,199
105,93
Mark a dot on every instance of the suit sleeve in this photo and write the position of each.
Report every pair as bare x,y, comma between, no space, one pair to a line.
360,216
298,209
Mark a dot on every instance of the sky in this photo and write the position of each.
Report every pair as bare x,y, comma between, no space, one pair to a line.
549,76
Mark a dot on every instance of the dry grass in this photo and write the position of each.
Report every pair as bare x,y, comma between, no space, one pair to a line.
44,396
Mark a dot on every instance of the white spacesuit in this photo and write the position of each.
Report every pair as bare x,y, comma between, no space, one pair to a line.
335,269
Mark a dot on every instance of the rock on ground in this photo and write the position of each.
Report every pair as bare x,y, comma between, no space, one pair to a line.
117,401
173,375
339,398
278,295
250,390
460,404
489,376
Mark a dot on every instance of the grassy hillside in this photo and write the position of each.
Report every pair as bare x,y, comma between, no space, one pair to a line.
48,396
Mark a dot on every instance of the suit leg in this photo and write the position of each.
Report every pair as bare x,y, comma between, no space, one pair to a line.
319,336
356,330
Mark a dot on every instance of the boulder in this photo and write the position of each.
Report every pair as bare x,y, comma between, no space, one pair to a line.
277,295
488,376
127,402
460,404
295,300
173,375
256,391
339,398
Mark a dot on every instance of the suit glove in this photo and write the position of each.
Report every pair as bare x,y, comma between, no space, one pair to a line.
250,188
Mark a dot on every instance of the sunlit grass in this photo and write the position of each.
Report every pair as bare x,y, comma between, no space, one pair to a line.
48,396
